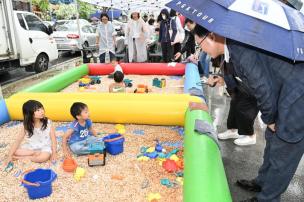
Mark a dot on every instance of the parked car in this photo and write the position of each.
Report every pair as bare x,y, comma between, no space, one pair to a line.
68,37
25,41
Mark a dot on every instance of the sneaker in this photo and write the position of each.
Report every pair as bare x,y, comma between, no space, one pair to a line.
229,134
246,140
249,185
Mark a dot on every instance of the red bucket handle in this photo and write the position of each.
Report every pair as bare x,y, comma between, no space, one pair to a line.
114,139
27,182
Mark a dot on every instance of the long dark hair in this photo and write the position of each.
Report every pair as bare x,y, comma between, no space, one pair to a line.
28,110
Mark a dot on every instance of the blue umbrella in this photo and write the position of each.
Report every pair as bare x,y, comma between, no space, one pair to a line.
265,24
116,13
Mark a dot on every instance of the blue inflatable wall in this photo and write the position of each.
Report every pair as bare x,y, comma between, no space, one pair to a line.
4,116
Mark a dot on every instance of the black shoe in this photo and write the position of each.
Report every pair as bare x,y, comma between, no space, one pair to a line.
249,185
254,199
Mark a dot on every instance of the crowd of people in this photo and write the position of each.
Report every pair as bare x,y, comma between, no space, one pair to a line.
170,32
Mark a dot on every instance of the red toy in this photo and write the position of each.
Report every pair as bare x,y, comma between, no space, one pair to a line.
69,165
170,166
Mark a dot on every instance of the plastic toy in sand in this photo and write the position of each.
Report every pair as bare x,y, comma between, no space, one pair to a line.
170,166
117,177
114,143
9,167
120,129
180,163
174,157
97,147
160,83
143,158
180,180
128,83
69,165
38,182
79,173
98,159
95,80
166,182
153,197
138,132
141,88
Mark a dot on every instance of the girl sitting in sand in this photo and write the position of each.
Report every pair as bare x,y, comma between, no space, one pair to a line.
40,141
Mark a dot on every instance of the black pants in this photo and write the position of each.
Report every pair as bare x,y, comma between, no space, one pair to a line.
281,160
167,51
102,57
177,48
242,113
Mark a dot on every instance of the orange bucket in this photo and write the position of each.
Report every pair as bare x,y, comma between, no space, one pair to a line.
69,165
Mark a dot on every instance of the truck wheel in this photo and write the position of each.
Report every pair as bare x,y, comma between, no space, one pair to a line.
42,63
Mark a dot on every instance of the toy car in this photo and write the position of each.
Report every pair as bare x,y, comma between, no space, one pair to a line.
97,159
141,89
95,80
128,83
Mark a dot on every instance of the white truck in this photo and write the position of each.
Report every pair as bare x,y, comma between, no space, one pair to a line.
25,41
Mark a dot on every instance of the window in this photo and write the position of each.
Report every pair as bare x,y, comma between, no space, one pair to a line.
21,21
86,29
35,23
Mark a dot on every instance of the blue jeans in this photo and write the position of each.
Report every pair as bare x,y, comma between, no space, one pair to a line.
204,61
102,57
82,147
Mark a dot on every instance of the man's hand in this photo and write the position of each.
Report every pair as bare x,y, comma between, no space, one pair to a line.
215,80
198,106
177,55
272,127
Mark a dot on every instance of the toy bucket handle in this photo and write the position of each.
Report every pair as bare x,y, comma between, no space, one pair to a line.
27,182
114,139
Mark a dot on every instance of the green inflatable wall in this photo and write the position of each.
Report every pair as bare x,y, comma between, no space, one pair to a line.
60,81
204,174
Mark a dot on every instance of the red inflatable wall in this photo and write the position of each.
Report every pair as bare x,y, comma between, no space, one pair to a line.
170,69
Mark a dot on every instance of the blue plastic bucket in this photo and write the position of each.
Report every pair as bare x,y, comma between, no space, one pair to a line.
39,183
114,143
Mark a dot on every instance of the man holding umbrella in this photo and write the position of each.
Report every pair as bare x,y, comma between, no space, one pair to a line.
270,72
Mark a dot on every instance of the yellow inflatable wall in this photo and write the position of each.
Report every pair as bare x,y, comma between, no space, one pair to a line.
153,109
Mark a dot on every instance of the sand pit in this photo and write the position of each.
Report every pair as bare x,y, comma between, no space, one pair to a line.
138,178
174,84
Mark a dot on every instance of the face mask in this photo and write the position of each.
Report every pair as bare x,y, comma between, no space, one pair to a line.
164,16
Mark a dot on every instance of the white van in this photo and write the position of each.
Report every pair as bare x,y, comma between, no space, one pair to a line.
25,41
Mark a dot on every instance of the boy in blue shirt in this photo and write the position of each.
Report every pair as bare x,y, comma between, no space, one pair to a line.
80,133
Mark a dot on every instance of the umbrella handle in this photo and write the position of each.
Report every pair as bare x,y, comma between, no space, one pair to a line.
114,139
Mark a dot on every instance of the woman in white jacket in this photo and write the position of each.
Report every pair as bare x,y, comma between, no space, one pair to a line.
136,33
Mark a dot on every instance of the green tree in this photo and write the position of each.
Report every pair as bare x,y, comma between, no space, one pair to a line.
85,9
43,5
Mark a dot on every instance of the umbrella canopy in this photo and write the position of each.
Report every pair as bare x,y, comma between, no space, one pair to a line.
112,12
265,24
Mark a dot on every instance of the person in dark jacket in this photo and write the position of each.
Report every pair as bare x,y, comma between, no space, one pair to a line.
278,86
165,37
189,46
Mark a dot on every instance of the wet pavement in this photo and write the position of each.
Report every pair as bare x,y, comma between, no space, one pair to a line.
244,162
20,73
